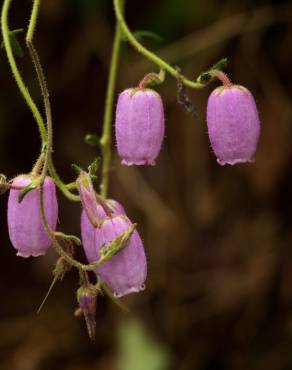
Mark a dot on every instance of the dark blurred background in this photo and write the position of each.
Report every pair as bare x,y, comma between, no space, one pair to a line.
218,239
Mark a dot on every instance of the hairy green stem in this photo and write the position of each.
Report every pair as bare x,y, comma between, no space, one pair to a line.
16,73
60,251
48,163
106,138
147,53
33,20
23,89
47,104
61,185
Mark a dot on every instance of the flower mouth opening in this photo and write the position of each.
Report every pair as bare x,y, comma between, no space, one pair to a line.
130,290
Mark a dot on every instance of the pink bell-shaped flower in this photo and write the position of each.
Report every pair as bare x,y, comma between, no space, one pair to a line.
89,233
125,272
26,231
233,124
139,126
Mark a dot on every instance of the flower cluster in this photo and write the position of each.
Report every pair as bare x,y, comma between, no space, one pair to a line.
111,242
108,236
124,268
232,120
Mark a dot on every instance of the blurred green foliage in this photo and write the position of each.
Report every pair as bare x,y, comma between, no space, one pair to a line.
138,350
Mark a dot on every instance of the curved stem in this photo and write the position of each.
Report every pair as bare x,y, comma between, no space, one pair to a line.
47,104
48,163
16,73
33,20
67,257
23,89
106,138
221,76
60,184
147,53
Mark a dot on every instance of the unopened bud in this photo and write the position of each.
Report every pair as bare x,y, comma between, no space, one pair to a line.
88,197
86,296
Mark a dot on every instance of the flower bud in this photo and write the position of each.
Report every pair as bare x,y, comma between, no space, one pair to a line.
26,231
86,296
233,124
88,197
139,126
126,271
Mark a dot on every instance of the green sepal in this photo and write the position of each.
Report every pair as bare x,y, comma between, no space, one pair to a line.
107,251
77,169
93,168
83,176
26,190
205,77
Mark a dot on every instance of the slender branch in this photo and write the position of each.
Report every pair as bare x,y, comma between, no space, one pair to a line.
33,20
60,184
45,93
47,104
67,257
147,53
23,89
221,76
106,138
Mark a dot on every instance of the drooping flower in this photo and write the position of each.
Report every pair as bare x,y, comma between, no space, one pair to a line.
233,124
89,233
139,126
26,231
126,271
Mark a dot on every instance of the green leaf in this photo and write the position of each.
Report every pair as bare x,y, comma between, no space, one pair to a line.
205,77
221,64
16,47
106,290
144,34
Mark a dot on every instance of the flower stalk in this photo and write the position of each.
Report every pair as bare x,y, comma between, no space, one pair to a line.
147,53
106,138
